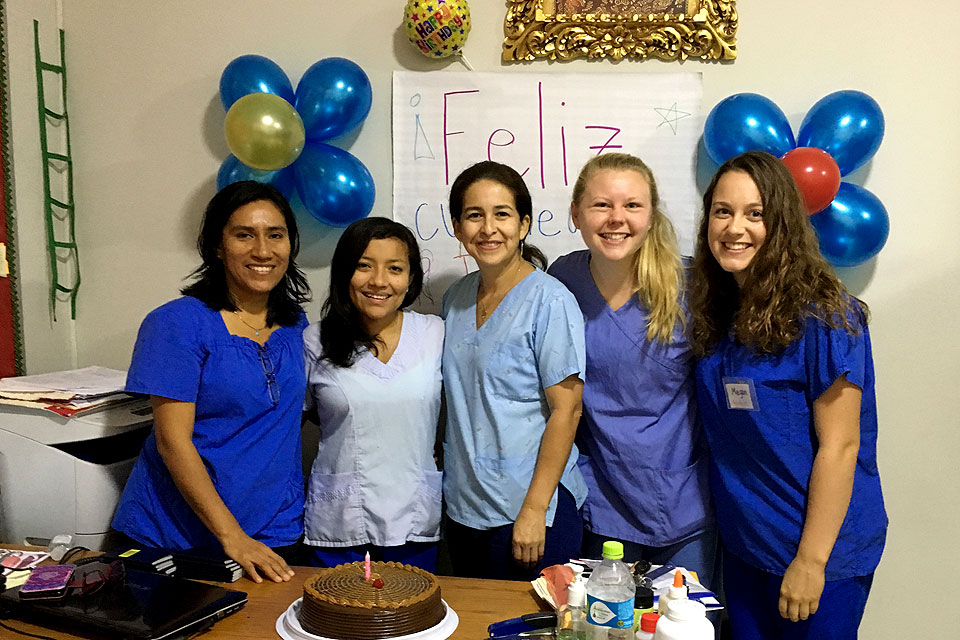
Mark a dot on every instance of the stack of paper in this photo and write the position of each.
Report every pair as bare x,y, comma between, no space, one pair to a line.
12,561
66,393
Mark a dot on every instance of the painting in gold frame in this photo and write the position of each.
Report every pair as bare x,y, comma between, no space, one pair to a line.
664,29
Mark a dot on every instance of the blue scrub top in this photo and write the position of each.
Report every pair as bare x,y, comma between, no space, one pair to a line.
247,434
642,449
494,379
762,459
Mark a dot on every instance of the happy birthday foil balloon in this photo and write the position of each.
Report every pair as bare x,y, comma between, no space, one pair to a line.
438,28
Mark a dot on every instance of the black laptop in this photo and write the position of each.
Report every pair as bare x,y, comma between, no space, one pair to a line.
140,606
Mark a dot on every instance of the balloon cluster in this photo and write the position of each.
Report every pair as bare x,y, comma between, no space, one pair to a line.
277,136
838,135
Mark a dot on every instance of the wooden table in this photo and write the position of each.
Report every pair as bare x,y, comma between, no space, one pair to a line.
477,603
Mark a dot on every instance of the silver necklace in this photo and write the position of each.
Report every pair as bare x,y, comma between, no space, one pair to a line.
256,331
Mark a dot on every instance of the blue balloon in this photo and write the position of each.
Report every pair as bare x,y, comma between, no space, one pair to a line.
334,186
853,228
253,74
232,170
333,97
846,124
746,122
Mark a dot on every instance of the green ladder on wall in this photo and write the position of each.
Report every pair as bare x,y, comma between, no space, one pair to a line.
58,212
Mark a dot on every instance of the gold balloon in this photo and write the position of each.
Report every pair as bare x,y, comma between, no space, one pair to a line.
264,131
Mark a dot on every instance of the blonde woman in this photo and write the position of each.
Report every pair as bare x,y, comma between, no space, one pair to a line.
642,448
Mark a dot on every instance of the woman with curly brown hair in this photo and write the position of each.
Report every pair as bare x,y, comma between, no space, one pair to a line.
785,385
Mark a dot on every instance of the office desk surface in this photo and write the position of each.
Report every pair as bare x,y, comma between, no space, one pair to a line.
477,603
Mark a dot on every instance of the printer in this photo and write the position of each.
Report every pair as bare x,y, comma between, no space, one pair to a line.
65,475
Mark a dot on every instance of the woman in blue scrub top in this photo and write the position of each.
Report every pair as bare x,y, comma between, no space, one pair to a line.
786,391
642,449
373,376
223,366
513,361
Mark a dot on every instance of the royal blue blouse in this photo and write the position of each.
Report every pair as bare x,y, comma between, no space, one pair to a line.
246,427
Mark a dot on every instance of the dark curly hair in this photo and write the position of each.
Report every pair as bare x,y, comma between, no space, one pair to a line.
342,334
787,281
513,181
210,286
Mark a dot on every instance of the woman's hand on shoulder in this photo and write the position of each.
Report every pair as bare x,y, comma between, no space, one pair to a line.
253,555
529,535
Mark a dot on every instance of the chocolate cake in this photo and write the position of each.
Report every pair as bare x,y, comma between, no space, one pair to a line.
397,600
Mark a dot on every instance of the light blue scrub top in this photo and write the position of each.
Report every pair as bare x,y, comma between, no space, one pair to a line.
494,379
374,480
761,459
247,435
642,449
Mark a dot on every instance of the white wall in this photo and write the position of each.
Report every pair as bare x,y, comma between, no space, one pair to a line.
147,141
49,345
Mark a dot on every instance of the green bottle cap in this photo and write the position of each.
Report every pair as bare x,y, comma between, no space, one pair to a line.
612,550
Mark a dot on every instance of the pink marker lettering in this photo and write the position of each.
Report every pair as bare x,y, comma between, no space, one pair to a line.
447,133
606,145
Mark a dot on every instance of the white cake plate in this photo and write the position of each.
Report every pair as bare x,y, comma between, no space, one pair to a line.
288,626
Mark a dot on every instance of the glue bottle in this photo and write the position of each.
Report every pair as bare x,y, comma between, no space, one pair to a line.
685,620
572,616
678,591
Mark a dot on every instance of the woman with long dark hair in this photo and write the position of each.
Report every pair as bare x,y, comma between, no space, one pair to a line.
513,362
373,376
786,390
223,366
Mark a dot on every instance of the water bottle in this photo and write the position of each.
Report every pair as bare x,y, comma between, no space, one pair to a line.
610,593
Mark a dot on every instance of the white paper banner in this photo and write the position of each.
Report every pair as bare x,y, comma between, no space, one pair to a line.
545,126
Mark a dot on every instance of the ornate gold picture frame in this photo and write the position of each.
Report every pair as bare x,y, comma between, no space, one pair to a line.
665,29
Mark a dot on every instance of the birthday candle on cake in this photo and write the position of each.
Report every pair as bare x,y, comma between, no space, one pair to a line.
366,566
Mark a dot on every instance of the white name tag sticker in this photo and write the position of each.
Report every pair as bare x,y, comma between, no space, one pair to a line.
740,394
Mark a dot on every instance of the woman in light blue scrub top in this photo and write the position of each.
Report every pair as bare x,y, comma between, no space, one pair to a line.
786,389
373,382
642,449
513,361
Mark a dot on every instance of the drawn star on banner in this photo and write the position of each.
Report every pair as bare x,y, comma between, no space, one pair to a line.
671,116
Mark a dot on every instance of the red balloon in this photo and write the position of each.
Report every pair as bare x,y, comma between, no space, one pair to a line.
816,173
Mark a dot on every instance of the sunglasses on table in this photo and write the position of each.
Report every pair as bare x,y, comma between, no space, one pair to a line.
91,577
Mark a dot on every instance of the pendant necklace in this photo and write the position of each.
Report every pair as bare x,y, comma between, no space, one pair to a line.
256,331
482,308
